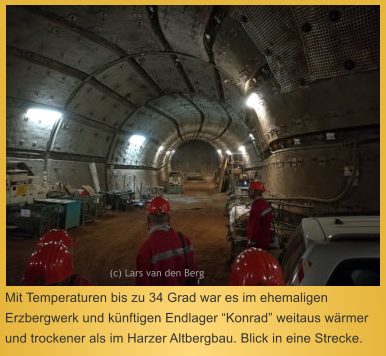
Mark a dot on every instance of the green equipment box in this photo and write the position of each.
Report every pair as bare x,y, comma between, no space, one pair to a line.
69,211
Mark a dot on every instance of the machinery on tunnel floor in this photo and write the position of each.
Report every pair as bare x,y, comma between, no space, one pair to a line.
69,211
118,199
22,188
238,207
92,206
30,200
232,176
150,192
175,183
32,220
283,225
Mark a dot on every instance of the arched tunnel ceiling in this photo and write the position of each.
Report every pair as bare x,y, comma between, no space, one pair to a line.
170,73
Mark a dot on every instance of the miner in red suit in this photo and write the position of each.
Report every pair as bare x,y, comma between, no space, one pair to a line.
166,257
260,218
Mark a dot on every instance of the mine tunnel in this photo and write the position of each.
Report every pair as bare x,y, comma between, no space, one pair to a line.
110,106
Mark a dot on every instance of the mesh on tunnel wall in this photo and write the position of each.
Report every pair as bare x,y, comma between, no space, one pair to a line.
342,34
273,30
306,43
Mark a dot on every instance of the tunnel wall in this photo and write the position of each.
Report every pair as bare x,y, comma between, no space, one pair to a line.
196,156
131,179
75,173
78,173
325,173
317,134
35,165
65,171
332,104
163,173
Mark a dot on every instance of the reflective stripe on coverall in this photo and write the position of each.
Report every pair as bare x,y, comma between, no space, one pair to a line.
161,258
259,224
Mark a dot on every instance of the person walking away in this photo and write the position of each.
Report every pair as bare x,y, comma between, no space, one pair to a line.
166,257
260,218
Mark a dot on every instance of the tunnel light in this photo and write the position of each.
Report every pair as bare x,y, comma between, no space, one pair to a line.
242,149
229,153
219,152
254,101
136,140
252,137
160,148
167,152
44,115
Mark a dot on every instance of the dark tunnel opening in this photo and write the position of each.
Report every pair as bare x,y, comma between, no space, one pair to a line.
197,159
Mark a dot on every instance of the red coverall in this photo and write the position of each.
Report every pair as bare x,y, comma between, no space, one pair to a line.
162,252
76,280
259,224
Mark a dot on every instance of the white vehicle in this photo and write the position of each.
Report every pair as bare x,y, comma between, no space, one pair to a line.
340,250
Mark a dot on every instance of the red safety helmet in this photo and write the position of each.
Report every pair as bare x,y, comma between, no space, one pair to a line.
56,235
256,185
158,205
51,262
256,267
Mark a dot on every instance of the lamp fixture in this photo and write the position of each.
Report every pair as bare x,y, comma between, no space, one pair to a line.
254,101
136,140
44,115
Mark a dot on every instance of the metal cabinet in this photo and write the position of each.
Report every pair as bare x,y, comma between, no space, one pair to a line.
32,219
92,206
69,211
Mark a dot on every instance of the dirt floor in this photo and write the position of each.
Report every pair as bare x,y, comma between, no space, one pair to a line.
112,241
